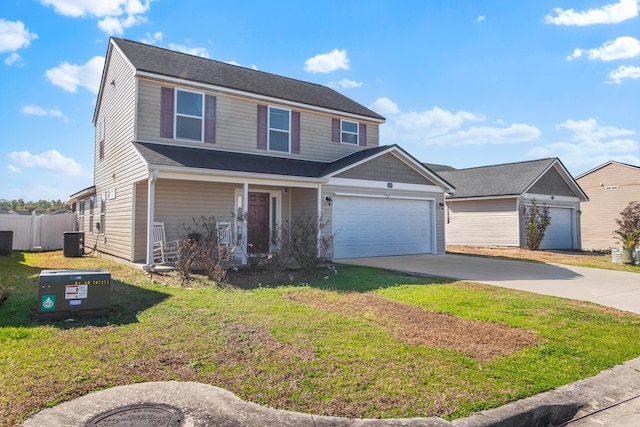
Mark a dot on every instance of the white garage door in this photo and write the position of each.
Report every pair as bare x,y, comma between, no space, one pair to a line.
560,232
365,226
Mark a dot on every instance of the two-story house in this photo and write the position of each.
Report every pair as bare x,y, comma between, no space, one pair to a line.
179,137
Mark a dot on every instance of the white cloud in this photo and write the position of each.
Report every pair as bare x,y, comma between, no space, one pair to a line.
152,38
70,76
14,36
345,84
36,110
51,160
592,144
624,72
609,14
431,123
481,18
441,127
482,135
14,169
116,15
198,51
253,67
620,48
590,130
327,62
14,59
384,106
590,153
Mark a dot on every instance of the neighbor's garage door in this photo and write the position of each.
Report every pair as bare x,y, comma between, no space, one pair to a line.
366,226
560,232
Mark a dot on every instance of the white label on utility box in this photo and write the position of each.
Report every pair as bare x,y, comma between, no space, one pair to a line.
76,291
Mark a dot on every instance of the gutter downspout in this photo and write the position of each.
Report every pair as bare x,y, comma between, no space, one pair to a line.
153,177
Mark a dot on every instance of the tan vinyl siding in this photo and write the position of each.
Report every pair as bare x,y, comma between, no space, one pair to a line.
482,223
236,126
552,183
121,167
599,214
330,190
386,168
178,202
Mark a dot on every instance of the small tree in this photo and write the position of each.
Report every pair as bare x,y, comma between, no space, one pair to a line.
536,220
629,226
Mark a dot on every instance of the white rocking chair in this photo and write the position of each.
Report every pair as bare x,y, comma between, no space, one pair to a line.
163,252
224,238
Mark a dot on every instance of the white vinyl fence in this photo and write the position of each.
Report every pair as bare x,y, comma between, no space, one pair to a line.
38,232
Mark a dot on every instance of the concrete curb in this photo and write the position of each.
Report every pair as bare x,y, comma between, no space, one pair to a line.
204,405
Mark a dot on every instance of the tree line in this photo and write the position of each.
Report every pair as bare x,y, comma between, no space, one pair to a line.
41,206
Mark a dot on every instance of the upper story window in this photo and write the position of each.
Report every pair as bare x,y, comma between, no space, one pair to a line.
349,132
189,115
279,129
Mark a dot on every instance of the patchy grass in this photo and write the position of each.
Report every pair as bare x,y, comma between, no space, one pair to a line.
578,258
359,343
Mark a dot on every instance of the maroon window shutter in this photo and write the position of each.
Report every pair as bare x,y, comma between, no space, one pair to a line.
362,135
295,132
262,127
210,119
335,130
166,112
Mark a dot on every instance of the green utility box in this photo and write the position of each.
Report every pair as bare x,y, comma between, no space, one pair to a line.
74,293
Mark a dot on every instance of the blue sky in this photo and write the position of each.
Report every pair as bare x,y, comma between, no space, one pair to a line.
461,82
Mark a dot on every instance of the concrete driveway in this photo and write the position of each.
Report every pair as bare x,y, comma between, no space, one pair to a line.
615,289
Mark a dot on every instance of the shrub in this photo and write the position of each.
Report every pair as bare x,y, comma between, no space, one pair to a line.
307,246
629,226
202,251
536,220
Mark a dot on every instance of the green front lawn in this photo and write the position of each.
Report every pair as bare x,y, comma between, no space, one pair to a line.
359,343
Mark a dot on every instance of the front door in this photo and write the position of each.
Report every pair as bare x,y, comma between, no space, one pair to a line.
258,223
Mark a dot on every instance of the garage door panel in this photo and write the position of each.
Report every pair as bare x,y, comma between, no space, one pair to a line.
560,232
376,227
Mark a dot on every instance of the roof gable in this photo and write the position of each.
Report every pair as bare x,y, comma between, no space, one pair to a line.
607,164
509,179
388,168
190,68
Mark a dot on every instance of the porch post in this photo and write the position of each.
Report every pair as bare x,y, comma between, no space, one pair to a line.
319,218
245,208
151,191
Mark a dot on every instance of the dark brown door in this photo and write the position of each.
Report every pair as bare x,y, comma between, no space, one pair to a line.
258,223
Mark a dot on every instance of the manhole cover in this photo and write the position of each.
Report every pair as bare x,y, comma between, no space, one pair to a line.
139,416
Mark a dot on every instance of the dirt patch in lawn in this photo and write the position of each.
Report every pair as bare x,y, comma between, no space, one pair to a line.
482,341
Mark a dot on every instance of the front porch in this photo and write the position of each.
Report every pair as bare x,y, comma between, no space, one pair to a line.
254,211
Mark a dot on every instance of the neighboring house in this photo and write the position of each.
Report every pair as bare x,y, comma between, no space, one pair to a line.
179,136
487,207
610,187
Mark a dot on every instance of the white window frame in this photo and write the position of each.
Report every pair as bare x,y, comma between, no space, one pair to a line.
356,133
81,213
176,115
269,129
103,211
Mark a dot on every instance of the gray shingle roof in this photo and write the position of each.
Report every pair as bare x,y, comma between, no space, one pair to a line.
169,63
511,179
188,157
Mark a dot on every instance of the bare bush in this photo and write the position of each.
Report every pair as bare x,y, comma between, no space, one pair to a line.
536,220
203,251
307,246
